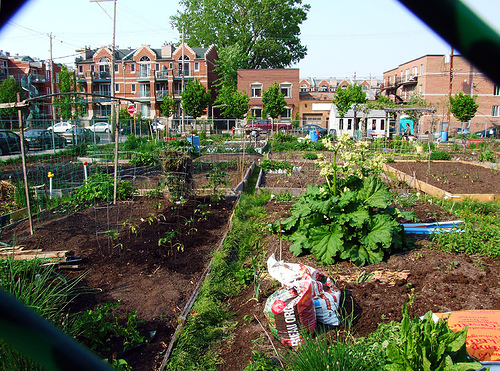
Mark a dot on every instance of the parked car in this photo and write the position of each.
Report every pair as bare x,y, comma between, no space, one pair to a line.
100,127
156,126
493,132
78,135
456,130
265,125
10,142
305,129
42,139
60,127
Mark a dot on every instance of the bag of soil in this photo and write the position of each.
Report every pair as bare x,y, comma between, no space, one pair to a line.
289,312
326,295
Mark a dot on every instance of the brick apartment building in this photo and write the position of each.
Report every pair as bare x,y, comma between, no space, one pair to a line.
145,75
255,82
33,75
316,96
430,76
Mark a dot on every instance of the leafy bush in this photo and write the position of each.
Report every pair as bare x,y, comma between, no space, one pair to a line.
144,159
357,225
486,156
99,187
273,165
428,345
439,155
310,156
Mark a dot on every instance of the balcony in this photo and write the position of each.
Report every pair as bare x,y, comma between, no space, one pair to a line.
38,78
161,75
143,75
99,76
160,94
80,76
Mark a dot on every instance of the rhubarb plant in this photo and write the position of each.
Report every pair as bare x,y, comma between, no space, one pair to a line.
350,217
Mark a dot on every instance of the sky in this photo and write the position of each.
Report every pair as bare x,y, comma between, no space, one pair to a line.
343,37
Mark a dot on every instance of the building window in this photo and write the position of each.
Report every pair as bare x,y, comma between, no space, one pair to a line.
196,66
382,124
132,88
117,88
374,124
286,90
116,68
349,124
157,67
286,114
341,124
80,69
132,67
495,112
256,112
496,90
421,69
92,68
256,90
303,88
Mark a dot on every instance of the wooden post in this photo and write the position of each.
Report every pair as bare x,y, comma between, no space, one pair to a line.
23,156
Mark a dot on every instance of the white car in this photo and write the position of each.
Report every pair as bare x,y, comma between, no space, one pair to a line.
100,127
156,126
60,127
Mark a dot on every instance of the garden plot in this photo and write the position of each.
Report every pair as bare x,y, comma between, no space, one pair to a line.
449,179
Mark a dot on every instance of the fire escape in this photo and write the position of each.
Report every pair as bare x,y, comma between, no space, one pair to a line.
395,84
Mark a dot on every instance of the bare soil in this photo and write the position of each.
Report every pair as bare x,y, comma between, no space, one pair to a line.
158,281
454,177
155,281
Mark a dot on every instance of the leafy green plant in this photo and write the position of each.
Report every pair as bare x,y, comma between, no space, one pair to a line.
261,362
99,187
274,165
439,155
310,156
486,156
357,225
428,345
217,178
96,327
169,240
144,159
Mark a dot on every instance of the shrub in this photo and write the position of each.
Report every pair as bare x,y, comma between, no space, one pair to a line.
486,156
273,165
439,155
310,156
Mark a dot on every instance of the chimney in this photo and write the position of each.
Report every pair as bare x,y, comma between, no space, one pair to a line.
166,50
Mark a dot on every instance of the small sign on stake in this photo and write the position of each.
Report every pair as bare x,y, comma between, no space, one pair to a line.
131,109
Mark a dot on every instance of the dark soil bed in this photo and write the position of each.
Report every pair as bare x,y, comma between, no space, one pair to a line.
440,281
454,177
155,281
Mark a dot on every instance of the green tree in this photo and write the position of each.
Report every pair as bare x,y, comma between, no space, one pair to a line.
274,101
234,104
266,30
463,107
417,105
168,106
351,97
69,106
195,99
8,94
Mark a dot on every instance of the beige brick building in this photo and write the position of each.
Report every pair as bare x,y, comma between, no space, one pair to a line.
144,74
430,76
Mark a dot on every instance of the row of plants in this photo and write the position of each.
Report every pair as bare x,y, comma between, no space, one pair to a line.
50,295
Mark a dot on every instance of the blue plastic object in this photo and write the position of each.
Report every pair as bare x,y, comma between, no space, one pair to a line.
444,136
437,227
194,140
313,134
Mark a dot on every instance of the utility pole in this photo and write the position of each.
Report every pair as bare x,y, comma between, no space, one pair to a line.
450,89
182,82
52,89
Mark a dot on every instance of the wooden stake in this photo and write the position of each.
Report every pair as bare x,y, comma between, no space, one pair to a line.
25,174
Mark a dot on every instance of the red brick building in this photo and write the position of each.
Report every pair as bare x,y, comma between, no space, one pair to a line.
144,74
255,82
33,75
430,76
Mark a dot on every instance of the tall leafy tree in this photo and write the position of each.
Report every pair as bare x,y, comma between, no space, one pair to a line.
266,30
195,99
8,94
418,104
69,105
168,106
351,97
233,104
274,101
463,107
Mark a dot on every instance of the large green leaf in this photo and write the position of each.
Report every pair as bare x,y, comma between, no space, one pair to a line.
326,242
380,227
358,217
374,193
299,244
